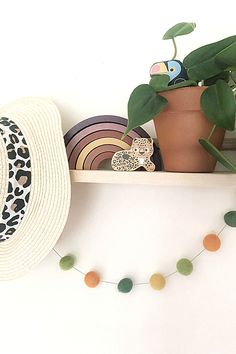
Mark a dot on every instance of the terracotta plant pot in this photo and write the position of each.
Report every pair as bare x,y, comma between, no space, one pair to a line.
179,128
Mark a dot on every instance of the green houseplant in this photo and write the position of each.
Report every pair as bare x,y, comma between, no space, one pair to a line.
192,112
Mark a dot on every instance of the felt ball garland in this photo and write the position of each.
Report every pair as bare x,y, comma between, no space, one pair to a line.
92,279
125,285
67,262
157,281
211,242
184,266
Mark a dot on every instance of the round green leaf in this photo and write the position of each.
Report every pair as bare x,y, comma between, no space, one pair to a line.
159,82
227,57
179,29
144,104
230,218
158,88
218,104
209,147
201,63
67,262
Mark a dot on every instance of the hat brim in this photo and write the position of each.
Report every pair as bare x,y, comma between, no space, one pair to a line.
47,211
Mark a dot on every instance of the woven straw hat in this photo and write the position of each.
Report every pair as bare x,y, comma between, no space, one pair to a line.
34,184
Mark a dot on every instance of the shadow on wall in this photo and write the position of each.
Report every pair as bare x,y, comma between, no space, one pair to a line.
86,194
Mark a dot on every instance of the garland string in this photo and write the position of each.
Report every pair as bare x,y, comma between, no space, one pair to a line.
125,285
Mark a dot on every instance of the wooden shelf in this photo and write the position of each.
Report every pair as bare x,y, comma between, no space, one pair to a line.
224,179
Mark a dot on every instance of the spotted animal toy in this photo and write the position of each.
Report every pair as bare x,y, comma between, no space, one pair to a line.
138,156
173,68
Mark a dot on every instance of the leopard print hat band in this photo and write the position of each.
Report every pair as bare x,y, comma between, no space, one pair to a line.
19,169
35,186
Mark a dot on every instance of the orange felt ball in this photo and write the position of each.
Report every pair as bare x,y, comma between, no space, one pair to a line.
92,279
211,242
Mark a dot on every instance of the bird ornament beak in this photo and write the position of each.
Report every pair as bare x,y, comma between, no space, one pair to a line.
158,69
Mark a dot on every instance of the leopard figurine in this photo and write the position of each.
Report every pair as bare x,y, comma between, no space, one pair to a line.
138,156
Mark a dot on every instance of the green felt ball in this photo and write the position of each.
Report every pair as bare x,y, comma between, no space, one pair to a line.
67,262
230,218
125,285
184,266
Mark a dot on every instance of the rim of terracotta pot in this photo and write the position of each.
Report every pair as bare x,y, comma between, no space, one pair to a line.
184,98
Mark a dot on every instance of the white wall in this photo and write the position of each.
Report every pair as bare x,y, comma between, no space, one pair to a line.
88,56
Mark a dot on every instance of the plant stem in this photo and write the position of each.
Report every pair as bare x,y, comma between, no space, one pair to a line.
211,133
175,48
